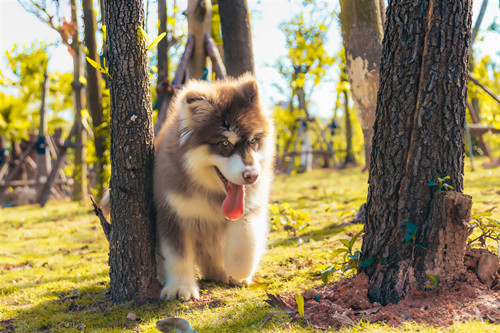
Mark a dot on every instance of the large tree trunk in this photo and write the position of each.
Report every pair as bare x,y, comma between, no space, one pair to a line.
362,32
132,241
80,172
419,136
94,95
236,37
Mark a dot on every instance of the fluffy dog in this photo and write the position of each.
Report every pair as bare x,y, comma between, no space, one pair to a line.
212,175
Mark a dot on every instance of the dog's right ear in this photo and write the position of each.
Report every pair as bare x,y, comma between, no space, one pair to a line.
197,107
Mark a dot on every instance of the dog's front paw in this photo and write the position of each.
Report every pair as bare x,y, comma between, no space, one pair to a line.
243,282
181,290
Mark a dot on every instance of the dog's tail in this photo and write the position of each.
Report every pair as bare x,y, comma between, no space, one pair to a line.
105,204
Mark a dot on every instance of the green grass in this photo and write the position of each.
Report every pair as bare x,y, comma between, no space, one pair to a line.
53,263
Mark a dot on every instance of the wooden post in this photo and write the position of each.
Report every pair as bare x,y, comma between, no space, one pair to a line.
199,13
44,194
19,165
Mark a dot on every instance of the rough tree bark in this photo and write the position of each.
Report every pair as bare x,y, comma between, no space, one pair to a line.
362,32
94,95
419,136
80,172
132,241
236,37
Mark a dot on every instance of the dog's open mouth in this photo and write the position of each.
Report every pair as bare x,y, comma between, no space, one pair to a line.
233,205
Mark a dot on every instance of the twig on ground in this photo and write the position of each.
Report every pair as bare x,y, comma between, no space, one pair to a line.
95,301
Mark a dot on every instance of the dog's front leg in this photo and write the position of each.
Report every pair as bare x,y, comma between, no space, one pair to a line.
245,244
179,267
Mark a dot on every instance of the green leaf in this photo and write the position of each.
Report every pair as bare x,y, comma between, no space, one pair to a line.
346,243
408,237
142,34
432,183
433,278
447,177
448,186
354,238
407,243
327,273
338,251
98,67
411,227
367,262
422,246
485,214
300,304
156,41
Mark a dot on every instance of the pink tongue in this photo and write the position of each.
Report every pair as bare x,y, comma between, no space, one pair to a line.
234,203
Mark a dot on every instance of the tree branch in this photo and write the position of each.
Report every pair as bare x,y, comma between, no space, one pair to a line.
106,226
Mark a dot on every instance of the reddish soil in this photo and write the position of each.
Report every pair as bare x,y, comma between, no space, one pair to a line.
345,302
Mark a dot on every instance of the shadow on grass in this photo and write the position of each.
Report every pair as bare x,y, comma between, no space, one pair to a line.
317,235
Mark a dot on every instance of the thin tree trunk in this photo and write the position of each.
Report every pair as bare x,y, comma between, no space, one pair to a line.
132,241
162,51
349,157
43,154
305,136
419,136
236,37
94,95
362,32
80,172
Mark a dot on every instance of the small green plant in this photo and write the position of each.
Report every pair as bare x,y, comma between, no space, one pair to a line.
411,236
434,282
149,44
489,229
291,219
350,261
440,185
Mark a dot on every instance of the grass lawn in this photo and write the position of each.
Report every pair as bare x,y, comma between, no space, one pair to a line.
54,272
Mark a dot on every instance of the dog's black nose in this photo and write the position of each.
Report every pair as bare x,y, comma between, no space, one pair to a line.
250,177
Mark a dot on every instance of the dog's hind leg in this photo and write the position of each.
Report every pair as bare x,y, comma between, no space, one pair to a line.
244,246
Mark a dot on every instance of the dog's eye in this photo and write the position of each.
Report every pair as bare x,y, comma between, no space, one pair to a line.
225,143
253,142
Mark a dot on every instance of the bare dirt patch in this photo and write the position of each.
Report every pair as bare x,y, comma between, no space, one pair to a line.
345,302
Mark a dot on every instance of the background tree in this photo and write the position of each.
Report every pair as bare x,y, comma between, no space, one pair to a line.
25,73
94,97
306,63
51,14
236,37
132,241
412,232
362,32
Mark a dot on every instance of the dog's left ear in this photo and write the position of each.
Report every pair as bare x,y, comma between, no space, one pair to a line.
249,88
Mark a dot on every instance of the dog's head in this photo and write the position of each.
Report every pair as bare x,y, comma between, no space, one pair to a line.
224,134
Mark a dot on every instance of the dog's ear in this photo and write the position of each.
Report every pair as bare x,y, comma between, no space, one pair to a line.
197,106
249,88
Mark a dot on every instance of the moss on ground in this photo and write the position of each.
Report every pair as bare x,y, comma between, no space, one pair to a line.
54,273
